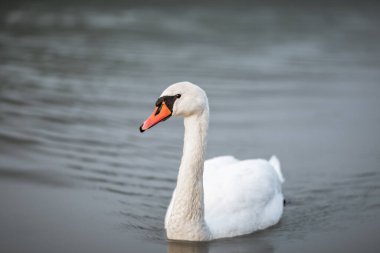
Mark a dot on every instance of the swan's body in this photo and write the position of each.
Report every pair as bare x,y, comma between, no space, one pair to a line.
220,197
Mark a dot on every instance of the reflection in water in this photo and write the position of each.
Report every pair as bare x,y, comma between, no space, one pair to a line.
245,244
188,247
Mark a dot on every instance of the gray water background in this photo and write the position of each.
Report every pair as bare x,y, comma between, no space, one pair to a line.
297,79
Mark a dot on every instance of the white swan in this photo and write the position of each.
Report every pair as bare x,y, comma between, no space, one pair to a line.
220,197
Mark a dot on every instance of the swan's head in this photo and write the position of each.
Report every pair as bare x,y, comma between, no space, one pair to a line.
180,99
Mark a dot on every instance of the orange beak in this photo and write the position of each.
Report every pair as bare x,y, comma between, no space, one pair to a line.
159,114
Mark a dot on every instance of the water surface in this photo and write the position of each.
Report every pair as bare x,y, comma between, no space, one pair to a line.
77,80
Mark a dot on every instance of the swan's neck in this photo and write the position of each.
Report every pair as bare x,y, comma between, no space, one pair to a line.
186,221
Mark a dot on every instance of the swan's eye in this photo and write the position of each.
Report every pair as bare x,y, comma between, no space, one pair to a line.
178,95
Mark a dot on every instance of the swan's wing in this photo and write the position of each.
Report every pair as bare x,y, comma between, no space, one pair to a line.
220,162
241,196
277,167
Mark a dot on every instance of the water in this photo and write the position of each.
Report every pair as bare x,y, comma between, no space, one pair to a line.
76,81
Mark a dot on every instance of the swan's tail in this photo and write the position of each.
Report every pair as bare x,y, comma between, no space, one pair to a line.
277,167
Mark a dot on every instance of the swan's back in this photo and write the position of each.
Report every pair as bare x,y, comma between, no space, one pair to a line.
241,196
